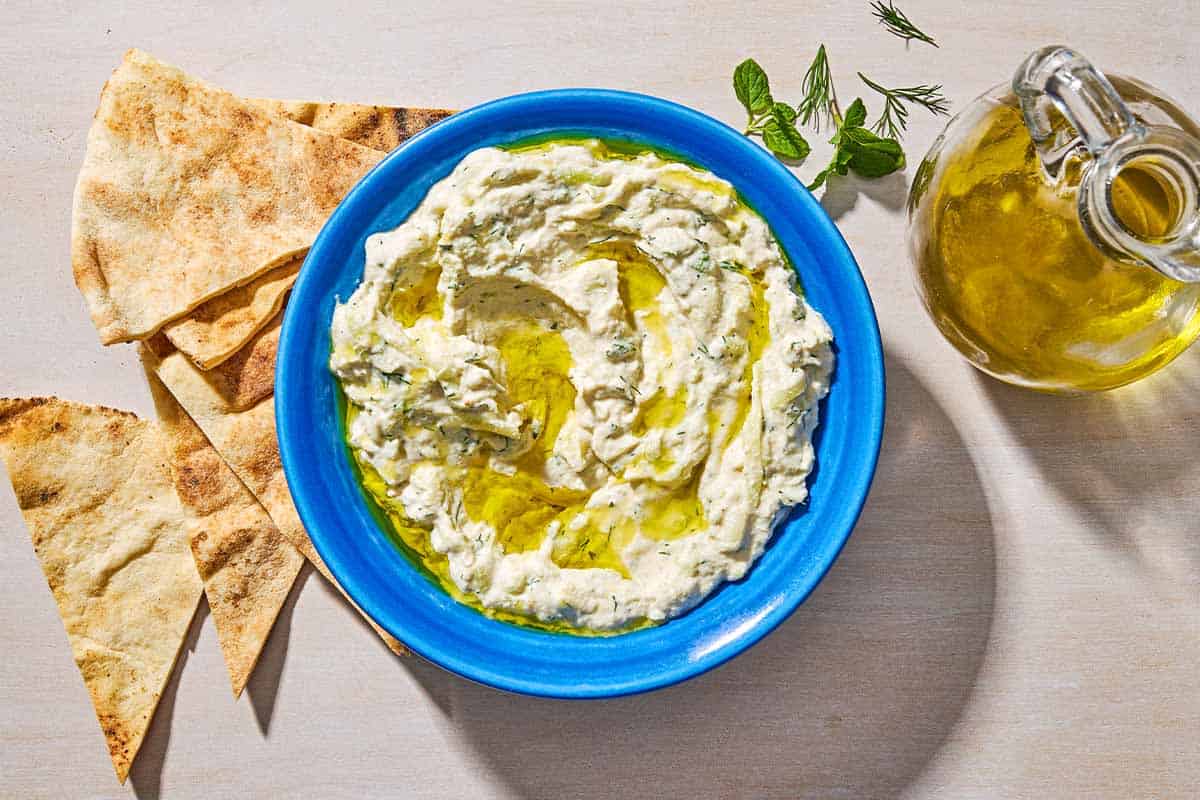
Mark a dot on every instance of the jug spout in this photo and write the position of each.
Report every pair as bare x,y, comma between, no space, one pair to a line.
1159,164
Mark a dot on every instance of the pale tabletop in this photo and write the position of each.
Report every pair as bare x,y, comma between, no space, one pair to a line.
1016,615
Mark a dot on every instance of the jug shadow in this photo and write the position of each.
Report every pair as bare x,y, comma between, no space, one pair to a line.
851,697
145,776
1124,460
842,192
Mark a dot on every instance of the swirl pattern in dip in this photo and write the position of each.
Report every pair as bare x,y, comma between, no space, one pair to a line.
582,384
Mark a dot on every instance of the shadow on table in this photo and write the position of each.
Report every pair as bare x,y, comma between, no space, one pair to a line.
842,192
263,686
146,773
851,697
1127,461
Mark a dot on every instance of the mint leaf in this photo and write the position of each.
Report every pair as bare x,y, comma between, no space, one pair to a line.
859,150
818,181
784,142
856,114
783,111
751,87
780,134
871,156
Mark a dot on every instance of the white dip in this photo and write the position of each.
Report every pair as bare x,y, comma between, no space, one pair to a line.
586,382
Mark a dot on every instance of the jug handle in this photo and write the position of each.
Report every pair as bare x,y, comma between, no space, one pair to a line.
1058,78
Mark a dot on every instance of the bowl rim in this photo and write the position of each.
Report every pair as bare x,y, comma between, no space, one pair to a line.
289,430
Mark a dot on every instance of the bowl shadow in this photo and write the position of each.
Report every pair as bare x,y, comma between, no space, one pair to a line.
1125,460
851,697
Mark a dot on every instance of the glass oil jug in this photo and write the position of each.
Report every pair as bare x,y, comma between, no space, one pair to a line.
1054,228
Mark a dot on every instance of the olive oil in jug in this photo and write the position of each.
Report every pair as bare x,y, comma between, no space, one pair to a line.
1010,235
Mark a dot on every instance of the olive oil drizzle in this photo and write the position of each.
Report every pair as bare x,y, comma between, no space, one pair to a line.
757,338
639,284
420,300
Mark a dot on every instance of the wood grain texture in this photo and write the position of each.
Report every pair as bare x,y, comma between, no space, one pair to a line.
1017,615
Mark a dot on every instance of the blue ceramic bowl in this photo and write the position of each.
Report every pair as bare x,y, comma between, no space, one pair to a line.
385,583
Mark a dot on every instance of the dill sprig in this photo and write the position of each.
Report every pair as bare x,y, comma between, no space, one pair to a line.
897,23
894,119
820,98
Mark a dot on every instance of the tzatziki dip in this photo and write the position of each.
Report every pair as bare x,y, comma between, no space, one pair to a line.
582,384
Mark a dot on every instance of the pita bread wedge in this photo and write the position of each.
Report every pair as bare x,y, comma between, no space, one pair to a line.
187,191
245,438
95,489
378,127
244,380
214,331
218,327
248,568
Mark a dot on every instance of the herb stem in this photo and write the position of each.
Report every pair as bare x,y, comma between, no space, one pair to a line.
894,120
755,123
898,24
820,96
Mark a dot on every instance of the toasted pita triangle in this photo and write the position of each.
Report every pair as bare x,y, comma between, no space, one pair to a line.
245,438
247,566
95,489
244,380
378,127
187,191
215,330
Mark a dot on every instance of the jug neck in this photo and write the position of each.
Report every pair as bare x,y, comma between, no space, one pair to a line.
1157,163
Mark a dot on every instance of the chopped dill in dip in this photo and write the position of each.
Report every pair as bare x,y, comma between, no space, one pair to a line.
582,384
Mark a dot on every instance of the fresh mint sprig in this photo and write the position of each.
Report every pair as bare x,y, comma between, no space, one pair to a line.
774,122
856,149
753,90
870,152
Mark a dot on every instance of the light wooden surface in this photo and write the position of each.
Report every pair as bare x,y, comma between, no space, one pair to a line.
1016,615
